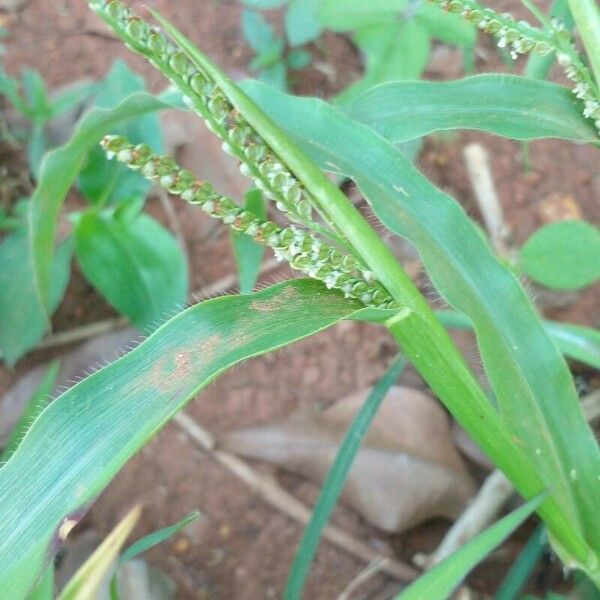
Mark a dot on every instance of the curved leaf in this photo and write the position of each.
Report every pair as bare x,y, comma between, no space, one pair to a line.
506,105
575,341
84,437
103,181
59,171
147,542
531,381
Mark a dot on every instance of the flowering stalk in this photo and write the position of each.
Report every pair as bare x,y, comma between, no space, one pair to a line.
414,326
201,94
522,38
303,250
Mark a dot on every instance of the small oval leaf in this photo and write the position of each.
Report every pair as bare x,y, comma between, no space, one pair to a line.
563,255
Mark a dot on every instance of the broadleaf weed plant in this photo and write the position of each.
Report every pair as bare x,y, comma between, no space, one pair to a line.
273,60
536,433
113,219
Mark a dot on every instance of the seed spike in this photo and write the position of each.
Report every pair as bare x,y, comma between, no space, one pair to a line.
520,38
201,93
302,249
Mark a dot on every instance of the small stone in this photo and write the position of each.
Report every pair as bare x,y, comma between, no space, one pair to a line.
225,531
181,546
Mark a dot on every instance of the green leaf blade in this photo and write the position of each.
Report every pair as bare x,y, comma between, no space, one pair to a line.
506,105
85,436
24,320
301,23
147,542
574,341
137,266
59,171
447,27
334,482
395,50
563,256
348,15
440,581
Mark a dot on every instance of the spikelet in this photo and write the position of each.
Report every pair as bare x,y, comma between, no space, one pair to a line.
301,249
201,94
520,37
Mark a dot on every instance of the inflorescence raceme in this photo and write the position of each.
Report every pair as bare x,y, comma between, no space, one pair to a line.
202,95
522,38
302,249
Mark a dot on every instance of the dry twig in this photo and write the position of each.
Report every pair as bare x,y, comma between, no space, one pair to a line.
480,174
372,569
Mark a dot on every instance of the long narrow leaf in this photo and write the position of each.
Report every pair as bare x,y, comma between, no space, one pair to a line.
529,376
507,105
521,569
84,437
335,480
58,173
147,542
441,580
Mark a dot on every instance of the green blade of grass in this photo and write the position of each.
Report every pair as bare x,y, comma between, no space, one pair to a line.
45,588
86,435
147,542
506,105
421,336
527,444
586,14
58,173
521,569
539,67
440,581
335,480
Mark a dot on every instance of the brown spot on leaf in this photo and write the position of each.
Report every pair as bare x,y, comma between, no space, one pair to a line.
275,303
